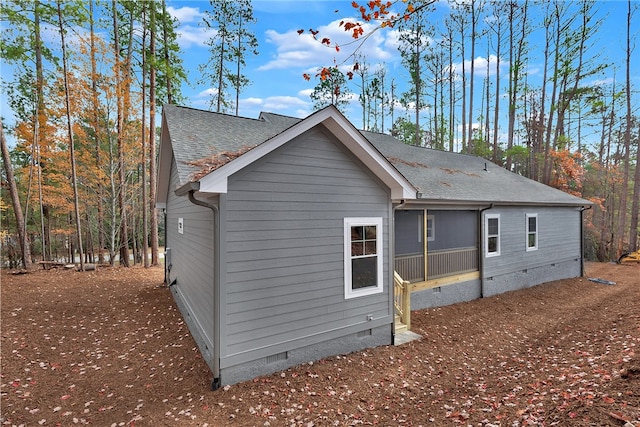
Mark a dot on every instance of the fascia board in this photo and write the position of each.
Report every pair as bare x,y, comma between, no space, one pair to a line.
443,204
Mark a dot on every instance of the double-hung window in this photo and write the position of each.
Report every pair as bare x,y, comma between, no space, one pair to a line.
532,231
362,256
492,232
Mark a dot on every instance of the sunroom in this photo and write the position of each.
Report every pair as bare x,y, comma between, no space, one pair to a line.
435,247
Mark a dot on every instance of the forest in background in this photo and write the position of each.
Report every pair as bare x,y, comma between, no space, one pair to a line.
80,181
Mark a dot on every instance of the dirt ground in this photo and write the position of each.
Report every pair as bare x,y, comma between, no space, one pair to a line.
109,348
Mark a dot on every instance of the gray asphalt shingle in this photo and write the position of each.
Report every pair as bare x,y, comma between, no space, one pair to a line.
454,177
438,175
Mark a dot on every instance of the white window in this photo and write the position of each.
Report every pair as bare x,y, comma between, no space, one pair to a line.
531,221
492,232
431,231
431,228
362,256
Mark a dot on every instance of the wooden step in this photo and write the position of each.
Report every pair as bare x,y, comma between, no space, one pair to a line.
399,326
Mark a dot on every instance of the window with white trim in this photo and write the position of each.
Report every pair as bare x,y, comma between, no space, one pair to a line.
362,256
492,233
532,231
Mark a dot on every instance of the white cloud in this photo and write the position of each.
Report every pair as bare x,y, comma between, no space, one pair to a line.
189,35
207,93
282,103
189,32
252,102
295,50
480,66
185,14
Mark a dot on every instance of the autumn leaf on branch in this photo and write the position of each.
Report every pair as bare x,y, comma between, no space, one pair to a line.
372,11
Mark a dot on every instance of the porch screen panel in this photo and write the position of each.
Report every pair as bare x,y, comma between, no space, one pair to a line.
409,244
408,232
454,250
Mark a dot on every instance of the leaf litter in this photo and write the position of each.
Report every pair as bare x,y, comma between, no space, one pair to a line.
109,347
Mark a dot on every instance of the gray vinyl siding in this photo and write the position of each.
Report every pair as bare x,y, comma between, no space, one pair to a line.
557,257
192,263
284,285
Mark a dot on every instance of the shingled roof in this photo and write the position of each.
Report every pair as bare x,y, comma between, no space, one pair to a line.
455,177
439,176
197,135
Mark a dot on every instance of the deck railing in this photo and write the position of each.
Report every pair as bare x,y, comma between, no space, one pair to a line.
442,263
402,299
410,267
452,261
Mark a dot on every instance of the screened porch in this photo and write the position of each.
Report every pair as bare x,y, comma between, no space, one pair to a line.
434,244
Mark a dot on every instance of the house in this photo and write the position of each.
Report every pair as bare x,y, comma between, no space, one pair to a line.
289,240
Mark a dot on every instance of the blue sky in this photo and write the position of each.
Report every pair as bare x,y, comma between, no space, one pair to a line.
276,74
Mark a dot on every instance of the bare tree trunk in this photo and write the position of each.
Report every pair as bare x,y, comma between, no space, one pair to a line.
513,70
452,98
546,175
97,134
635,208
539,142
392,106
152,140
39,121
383,96
220,75
124,236
474,22
143,154
622,212
463,113
166,55
418,139
515,59
487,125
114,201
496,110
633,229
25,250
72,155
